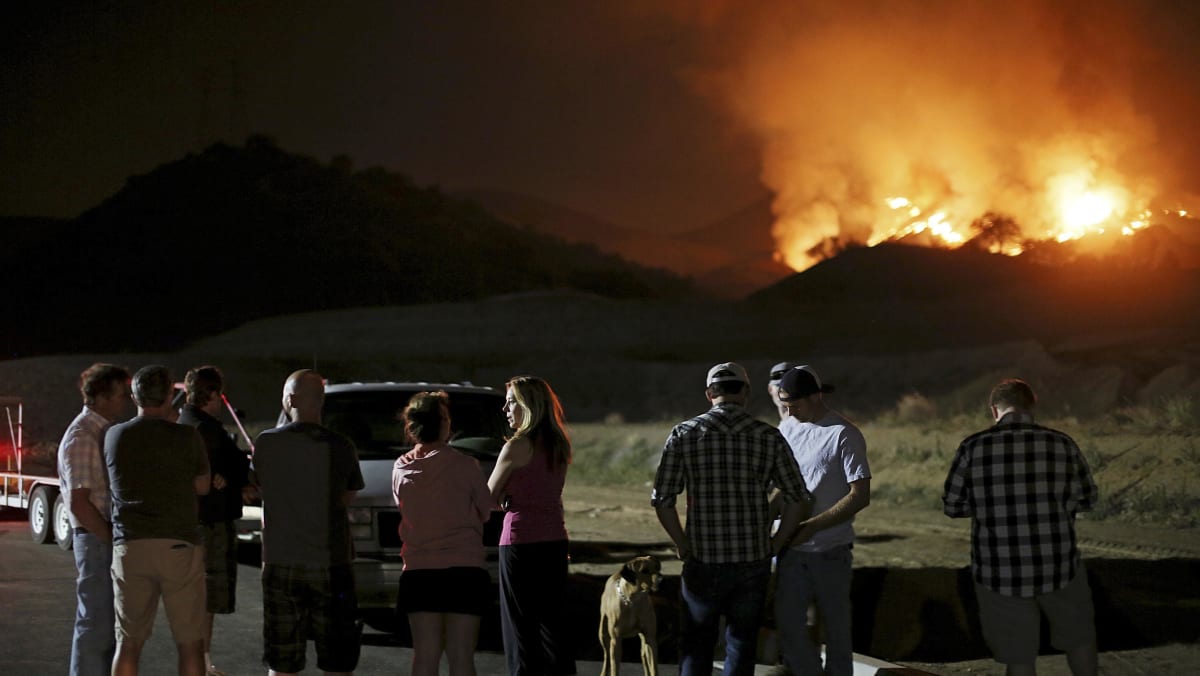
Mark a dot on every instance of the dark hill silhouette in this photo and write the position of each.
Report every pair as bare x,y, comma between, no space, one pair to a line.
919,295
207,242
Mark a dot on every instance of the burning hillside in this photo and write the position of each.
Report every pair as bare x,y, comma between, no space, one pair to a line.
1006,124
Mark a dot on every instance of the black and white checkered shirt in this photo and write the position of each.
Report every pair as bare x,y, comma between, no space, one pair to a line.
728,462
1022,484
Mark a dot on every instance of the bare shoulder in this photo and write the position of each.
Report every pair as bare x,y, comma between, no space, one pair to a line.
518,450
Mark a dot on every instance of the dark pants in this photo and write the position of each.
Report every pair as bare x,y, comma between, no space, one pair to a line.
533,618
737,591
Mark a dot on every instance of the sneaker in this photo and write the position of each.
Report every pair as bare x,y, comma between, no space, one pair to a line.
213,671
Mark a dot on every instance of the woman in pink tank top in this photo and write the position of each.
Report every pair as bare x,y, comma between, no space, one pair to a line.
528,481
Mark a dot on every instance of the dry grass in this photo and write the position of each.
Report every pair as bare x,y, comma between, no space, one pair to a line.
1145,465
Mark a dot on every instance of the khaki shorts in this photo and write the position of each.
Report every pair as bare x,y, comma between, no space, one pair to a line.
144,571
1012,625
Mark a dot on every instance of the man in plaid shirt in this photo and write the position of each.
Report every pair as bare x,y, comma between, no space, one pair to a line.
728,462
1022,485
83,479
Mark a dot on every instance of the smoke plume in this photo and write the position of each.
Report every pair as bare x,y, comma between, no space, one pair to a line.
874,116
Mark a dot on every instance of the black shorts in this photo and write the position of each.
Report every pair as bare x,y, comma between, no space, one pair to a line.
310,602
463,590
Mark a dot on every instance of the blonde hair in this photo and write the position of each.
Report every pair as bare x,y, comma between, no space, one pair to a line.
543,423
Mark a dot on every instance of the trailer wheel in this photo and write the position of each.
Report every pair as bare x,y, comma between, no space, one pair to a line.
41,514
63,535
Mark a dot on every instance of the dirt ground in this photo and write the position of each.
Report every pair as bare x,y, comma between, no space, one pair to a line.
908,557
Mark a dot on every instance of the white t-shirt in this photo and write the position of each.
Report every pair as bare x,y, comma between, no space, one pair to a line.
831,453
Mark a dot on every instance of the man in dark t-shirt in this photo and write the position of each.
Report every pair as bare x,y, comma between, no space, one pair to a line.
204,386
156,469
307,475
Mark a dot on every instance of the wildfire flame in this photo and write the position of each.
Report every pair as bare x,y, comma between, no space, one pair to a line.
1079,207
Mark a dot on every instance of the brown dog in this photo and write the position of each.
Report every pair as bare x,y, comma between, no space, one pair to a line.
626,609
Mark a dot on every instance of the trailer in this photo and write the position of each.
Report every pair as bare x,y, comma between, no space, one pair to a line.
38,494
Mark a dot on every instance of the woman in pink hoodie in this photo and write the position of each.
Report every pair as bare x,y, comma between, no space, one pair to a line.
444,502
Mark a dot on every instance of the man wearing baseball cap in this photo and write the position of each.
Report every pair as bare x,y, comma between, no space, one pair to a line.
729,463
832,456
777,372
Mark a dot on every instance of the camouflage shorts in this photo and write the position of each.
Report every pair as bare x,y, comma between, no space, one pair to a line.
220,566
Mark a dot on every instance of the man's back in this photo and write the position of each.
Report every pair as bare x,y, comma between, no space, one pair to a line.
728,462
152,466
1022,484
304,471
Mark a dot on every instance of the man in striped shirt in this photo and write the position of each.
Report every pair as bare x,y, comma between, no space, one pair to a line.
1022,484
728,462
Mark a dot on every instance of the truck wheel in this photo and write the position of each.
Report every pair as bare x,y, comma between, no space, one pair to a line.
41,513
63,534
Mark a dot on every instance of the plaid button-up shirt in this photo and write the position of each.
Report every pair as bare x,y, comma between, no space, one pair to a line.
81,461
728,462
1022,485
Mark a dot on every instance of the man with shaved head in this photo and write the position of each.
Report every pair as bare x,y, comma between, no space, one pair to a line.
307,474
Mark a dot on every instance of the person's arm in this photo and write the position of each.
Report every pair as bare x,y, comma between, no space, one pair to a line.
355,482
669,482
87,516
668,516
841,511
202,481
481,495
956,501
515,454
1083,487
79,497
789,520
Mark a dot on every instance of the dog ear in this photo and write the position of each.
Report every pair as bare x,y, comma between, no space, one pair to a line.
628,573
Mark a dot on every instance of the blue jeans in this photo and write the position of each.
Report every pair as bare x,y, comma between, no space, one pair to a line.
94,642
802,578
736,590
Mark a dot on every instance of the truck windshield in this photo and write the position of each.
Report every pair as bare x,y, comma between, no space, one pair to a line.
370,418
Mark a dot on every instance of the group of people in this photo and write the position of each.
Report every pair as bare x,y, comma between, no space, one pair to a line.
757,493
740,473
151,502
153,499
445,501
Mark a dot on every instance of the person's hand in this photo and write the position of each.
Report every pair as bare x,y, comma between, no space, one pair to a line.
218,482
683,550
249,494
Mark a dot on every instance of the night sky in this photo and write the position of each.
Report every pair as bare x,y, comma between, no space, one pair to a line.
665,115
